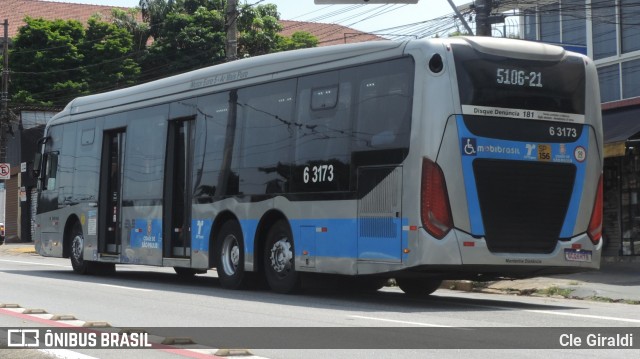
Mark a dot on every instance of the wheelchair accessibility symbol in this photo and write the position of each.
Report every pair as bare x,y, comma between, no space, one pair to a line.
468,146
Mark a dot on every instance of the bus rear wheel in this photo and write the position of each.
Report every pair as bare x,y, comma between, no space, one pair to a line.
230,256
418,286
279,259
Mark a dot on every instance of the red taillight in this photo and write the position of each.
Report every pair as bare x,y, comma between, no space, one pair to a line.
435,209
595,224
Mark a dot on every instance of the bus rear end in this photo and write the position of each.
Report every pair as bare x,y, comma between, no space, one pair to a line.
515,188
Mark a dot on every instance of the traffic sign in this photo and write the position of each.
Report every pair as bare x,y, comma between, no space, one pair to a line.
5,171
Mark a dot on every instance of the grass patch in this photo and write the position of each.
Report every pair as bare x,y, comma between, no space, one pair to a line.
553,291
630,301
596,298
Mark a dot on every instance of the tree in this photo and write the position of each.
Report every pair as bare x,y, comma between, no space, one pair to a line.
258,27
140,31
107,51
298,40
190,34
186,42
154,12
47,62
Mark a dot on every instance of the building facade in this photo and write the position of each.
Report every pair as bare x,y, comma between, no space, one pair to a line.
608,31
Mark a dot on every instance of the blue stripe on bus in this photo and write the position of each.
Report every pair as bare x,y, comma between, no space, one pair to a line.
337,238
574,205
472,147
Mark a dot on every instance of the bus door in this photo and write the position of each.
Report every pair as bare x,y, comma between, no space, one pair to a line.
379,213
177,200
112,164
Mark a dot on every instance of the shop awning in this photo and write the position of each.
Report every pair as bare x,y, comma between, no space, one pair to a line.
619,126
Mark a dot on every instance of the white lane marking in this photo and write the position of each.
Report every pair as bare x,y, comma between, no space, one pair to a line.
127,288
400,321
550,312
35,263
628,320
65,354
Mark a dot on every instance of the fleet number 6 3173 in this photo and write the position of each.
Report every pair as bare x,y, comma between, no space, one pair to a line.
320,173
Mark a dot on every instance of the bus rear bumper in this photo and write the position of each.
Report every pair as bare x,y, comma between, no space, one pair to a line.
573,255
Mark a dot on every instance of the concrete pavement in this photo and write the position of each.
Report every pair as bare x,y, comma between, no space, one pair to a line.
614,282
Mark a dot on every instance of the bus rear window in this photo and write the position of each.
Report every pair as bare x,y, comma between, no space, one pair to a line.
493,81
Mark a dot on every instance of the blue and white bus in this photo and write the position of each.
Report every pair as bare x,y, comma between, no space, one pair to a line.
460,158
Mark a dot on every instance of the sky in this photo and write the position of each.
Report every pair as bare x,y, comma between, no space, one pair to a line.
387,16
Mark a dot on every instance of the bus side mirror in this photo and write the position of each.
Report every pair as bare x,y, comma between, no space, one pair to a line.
37,163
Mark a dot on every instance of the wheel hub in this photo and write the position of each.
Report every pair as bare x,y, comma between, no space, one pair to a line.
230,255
76,247
281,255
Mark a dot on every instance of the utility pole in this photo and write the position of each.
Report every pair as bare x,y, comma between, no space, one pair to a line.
232,30
483,9
4,115
484,19
232,113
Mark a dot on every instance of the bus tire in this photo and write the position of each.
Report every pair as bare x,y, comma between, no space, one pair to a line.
279,259
230,256
78,263
417,286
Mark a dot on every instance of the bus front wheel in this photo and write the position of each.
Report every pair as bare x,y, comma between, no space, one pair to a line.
230,256
78,263
417,286
279,259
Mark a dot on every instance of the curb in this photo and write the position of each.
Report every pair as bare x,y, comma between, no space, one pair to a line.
18,248
461,285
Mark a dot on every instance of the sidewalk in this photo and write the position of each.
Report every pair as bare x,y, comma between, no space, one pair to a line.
614,282
17,248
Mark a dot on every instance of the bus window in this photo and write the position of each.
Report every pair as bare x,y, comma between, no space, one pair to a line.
144,153
384,105
51,170
265,114
210,138
323,136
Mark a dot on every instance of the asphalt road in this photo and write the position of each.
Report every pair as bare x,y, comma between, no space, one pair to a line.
326,318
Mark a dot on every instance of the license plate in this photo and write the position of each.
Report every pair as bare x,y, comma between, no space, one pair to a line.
575,255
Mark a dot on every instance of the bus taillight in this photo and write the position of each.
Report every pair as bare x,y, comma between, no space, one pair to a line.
595,224
435,208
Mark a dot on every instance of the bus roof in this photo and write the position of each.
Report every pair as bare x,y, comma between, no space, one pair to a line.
221,77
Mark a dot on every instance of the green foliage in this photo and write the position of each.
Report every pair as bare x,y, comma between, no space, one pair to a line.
139,31
258,28
46,57
25,98
105,49
186,42
298,40
56,61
